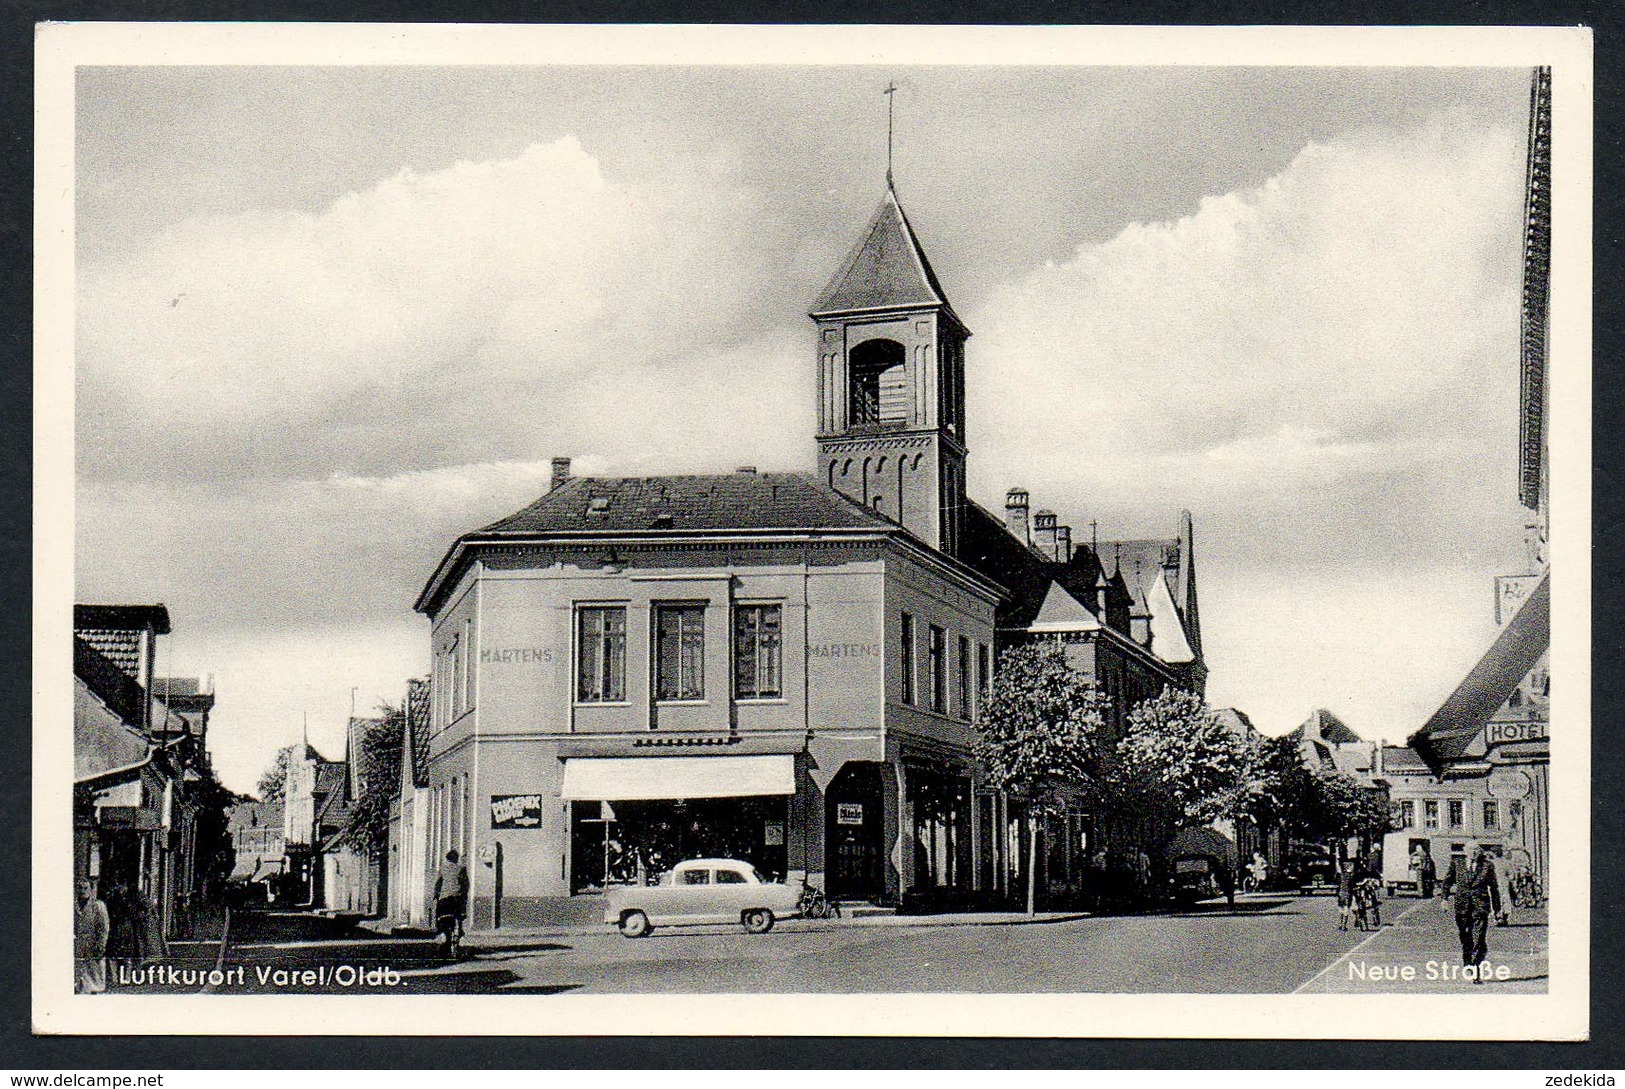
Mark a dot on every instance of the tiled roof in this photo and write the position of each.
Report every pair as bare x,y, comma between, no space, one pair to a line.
1322,723
1403,760
1237,722
110,684
1140,563
254,814
104,747
743,500
887,268
417,729
121,648
1516,650
993,550
330,776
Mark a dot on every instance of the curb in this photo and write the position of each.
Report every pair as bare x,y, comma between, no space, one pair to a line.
878,922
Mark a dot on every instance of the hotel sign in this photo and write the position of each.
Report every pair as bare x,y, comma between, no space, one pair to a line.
1507,733
516,810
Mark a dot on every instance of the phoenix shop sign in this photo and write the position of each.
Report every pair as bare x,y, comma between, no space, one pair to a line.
516,810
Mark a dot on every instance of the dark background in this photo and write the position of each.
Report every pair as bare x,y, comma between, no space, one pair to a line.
21,1051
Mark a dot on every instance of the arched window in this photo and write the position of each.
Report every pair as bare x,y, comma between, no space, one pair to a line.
879,383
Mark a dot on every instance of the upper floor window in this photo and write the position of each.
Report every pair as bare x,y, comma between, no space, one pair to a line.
456,693
1407,814
468,665
1492,815
963,677
907,662
757,652
680,652
939,670
601,654
984,672
1430,815
1458,813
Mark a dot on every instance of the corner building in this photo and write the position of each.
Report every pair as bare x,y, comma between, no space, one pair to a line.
779,667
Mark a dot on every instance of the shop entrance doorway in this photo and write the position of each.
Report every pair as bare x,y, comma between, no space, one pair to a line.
854,820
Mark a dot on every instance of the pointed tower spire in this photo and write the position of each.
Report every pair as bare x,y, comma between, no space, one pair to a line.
886,270
891,382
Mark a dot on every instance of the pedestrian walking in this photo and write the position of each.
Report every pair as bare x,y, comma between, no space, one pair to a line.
451,898
1430,875
90,930
1477,898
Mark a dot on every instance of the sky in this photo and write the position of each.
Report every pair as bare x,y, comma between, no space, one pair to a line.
330,318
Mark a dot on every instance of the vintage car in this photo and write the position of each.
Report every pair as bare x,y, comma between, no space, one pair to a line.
1311,868
701,890
1197,877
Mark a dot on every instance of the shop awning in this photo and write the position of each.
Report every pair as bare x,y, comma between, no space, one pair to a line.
649,778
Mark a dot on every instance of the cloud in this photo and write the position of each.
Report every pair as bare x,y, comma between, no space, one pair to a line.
1348,327
430,319
285,554
1381,649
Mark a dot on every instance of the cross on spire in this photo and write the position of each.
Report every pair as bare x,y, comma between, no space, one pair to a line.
890,92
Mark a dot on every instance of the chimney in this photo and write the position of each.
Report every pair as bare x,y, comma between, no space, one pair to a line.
1044,533
561,473
748,470
1063,544
1015,514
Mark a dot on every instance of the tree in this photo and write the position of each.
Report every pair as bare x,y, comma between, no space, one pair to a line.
1182,752
274,779
1346,808
1313,803
1040,731
1282,784
379,770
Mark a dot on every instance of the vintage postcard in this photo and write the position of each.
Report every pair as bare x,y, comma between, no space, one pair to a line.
863,530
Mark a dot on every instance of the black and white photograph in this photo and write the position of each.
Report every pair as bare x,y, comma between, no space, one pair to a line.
1009,519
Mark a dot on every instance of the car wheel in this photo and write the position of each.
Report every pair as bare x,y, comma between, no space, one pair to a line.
635,924
757,921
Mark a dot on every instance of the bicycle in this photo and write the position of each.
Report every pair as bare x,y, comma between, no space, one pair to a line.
449,934
1526,891
1367,907
813,904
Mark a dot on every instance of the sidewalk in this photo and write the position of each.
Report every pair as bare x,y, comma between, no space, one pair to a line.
479,939
1419,939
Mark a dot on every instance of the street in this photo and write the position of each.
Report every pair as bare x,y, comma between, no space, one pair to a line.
1267,944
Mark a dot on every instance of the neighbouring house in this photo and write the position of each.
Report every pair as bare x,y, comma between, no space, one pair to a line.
1494,728
149,815
259,847
408,859
314,810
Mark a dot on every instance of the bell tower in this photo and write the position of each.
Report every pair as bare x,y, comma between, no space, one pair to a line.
891,383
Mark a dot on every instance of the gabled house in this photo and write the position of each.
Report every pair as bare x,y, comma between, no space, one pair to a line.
147,811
